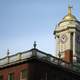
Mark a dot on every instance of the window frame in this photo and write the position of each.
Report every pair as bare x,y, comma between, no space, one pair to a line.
24,74
1,76
11,75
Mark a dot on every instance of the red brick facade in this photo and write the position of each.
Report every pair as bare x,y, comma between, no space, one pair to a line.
39,66
38,70
16,70
68,56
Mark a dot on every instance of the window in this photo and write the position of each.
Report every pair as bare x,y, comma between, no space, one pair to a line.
1,77
24,74
11,76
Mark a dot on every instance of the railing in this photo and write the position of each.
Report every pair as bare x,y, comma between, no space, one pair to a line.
15,58
40,55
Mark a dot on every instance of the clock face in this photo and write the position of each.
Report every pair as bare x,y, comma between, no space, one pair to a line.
63,38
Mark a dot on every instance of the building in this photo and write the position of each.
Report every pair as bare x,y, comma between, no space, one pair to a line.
67,35
35,64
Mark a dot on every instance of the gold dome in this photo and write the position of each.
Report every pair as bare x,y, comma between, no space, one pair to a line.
69,16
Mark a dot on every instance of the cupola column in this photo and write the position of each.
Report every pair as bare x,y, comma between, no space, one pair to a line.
74,46
57,46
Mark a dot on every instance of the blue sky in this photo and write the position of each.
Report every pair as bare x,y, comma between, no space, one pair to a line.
24,21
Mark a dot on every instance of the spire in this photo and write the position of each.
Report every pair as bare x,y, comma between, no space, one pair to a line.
69,10
69,15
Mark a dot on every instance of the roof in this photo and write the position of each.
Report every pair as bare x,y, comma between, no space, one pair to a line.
69,16
35,53
22,56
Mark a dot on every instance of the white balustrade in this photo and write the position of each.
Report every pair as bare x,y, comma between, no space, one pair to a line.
26,55
40,55
3,61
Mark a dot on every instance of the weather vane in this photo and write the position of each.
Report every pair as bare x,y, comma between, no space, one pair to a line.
69,2
69,7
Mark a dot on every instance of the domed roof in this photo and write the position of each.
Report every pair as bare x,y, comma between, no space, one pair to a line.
69,16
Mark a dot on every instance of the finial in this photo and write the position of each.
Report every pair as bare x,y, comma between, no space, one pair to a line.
69,7
69,15
34,44
8,52
69,10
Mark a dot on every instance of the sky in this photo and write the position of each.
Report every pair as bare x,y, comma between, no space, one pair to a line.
24,21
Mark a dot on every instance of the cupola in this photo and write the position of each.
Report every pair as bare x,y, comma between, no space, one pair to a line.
69,16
